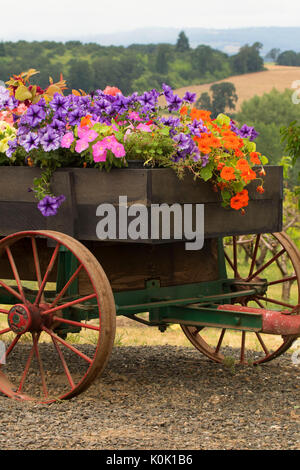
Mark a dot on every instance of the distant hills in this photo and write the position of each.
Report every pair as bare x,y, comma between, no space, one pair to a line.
226,40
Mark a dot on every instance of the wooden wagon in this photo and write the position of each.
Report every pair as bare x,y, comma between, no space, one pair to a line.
58,280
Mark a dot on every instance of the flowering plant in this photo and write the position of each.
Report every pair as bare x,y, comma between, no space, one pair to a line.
106,129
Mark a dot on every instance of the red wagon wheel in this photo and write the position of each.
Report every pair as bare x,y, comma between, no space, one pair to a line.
248,347
37,362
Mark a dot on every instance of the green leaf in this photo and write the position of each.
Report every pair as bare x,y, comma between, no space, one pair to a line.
22,93
264,160
223,119
206,173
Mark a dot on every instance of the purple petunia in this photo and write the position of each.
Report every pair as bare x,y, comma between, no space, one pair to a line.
173,102
189,97
31,141
50,140
35,115
59,104
49,205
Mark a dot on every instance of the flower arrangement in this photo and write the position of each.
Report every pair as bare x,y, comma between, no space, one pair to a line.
105,129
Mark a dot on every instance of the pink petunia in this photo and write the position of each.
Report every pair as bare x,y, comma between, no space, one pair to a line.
81,145
99,152
67,140
144,128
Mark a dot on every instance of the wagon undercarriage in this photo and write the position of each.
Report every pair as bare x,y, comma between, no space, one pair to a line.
67,292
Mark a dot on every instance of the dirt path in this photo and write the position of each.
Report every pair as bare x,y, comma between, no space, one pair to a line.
166,397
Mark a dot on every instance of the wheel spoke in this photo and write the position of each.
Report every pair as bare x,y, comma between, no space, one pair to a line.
284,279
37,265
11,290
242,358
229,260
254,255
267,264
4,311
69,304
2,332
259,303
48,271
60,295
65,366
274,301
26,369
76,323
235,270
12,345
75,350
37,353
220,341
15,273
262,344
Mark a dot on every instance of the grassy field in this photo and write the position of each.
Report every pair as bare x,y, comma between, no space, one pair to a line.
251,84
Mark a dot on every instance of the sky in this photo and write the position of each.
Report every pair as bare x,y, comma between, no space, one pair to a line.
57,18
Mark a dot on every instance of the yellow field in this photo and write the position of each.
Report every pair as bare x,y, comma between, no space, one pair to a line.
251,84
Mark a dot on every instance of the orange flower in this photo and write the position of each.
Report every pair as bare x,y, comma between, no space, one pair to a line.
200,114
184,111
220,166
86,121
227,173
255,158
260,189
243,165
238,153
239,200
111,90
248,175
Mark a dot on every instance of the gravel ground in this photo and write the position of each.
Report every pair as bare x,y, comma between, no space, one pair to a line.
165,397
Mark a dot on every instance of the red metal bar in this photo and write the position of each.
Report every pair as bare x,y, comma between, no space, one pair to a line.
274,323
68,304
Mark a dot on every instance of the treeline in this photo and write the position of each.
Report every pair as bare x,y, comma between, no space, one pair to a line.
134,68
290,57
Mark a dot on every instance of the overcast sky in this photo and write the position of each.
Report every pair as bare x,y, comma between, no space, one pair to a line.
67,17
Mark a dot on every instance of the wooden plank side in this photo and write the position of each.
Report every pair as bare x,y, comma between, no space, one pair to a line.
128,267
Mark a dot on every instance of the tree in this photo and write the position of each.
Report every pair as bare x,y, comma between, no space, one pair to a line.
161,62
2,49
273,54
268,114
182,44
223,97
248,59
288,58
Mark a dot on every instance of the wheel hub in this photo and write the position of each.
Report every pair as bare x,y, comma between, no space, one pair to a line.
19,319
23,318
